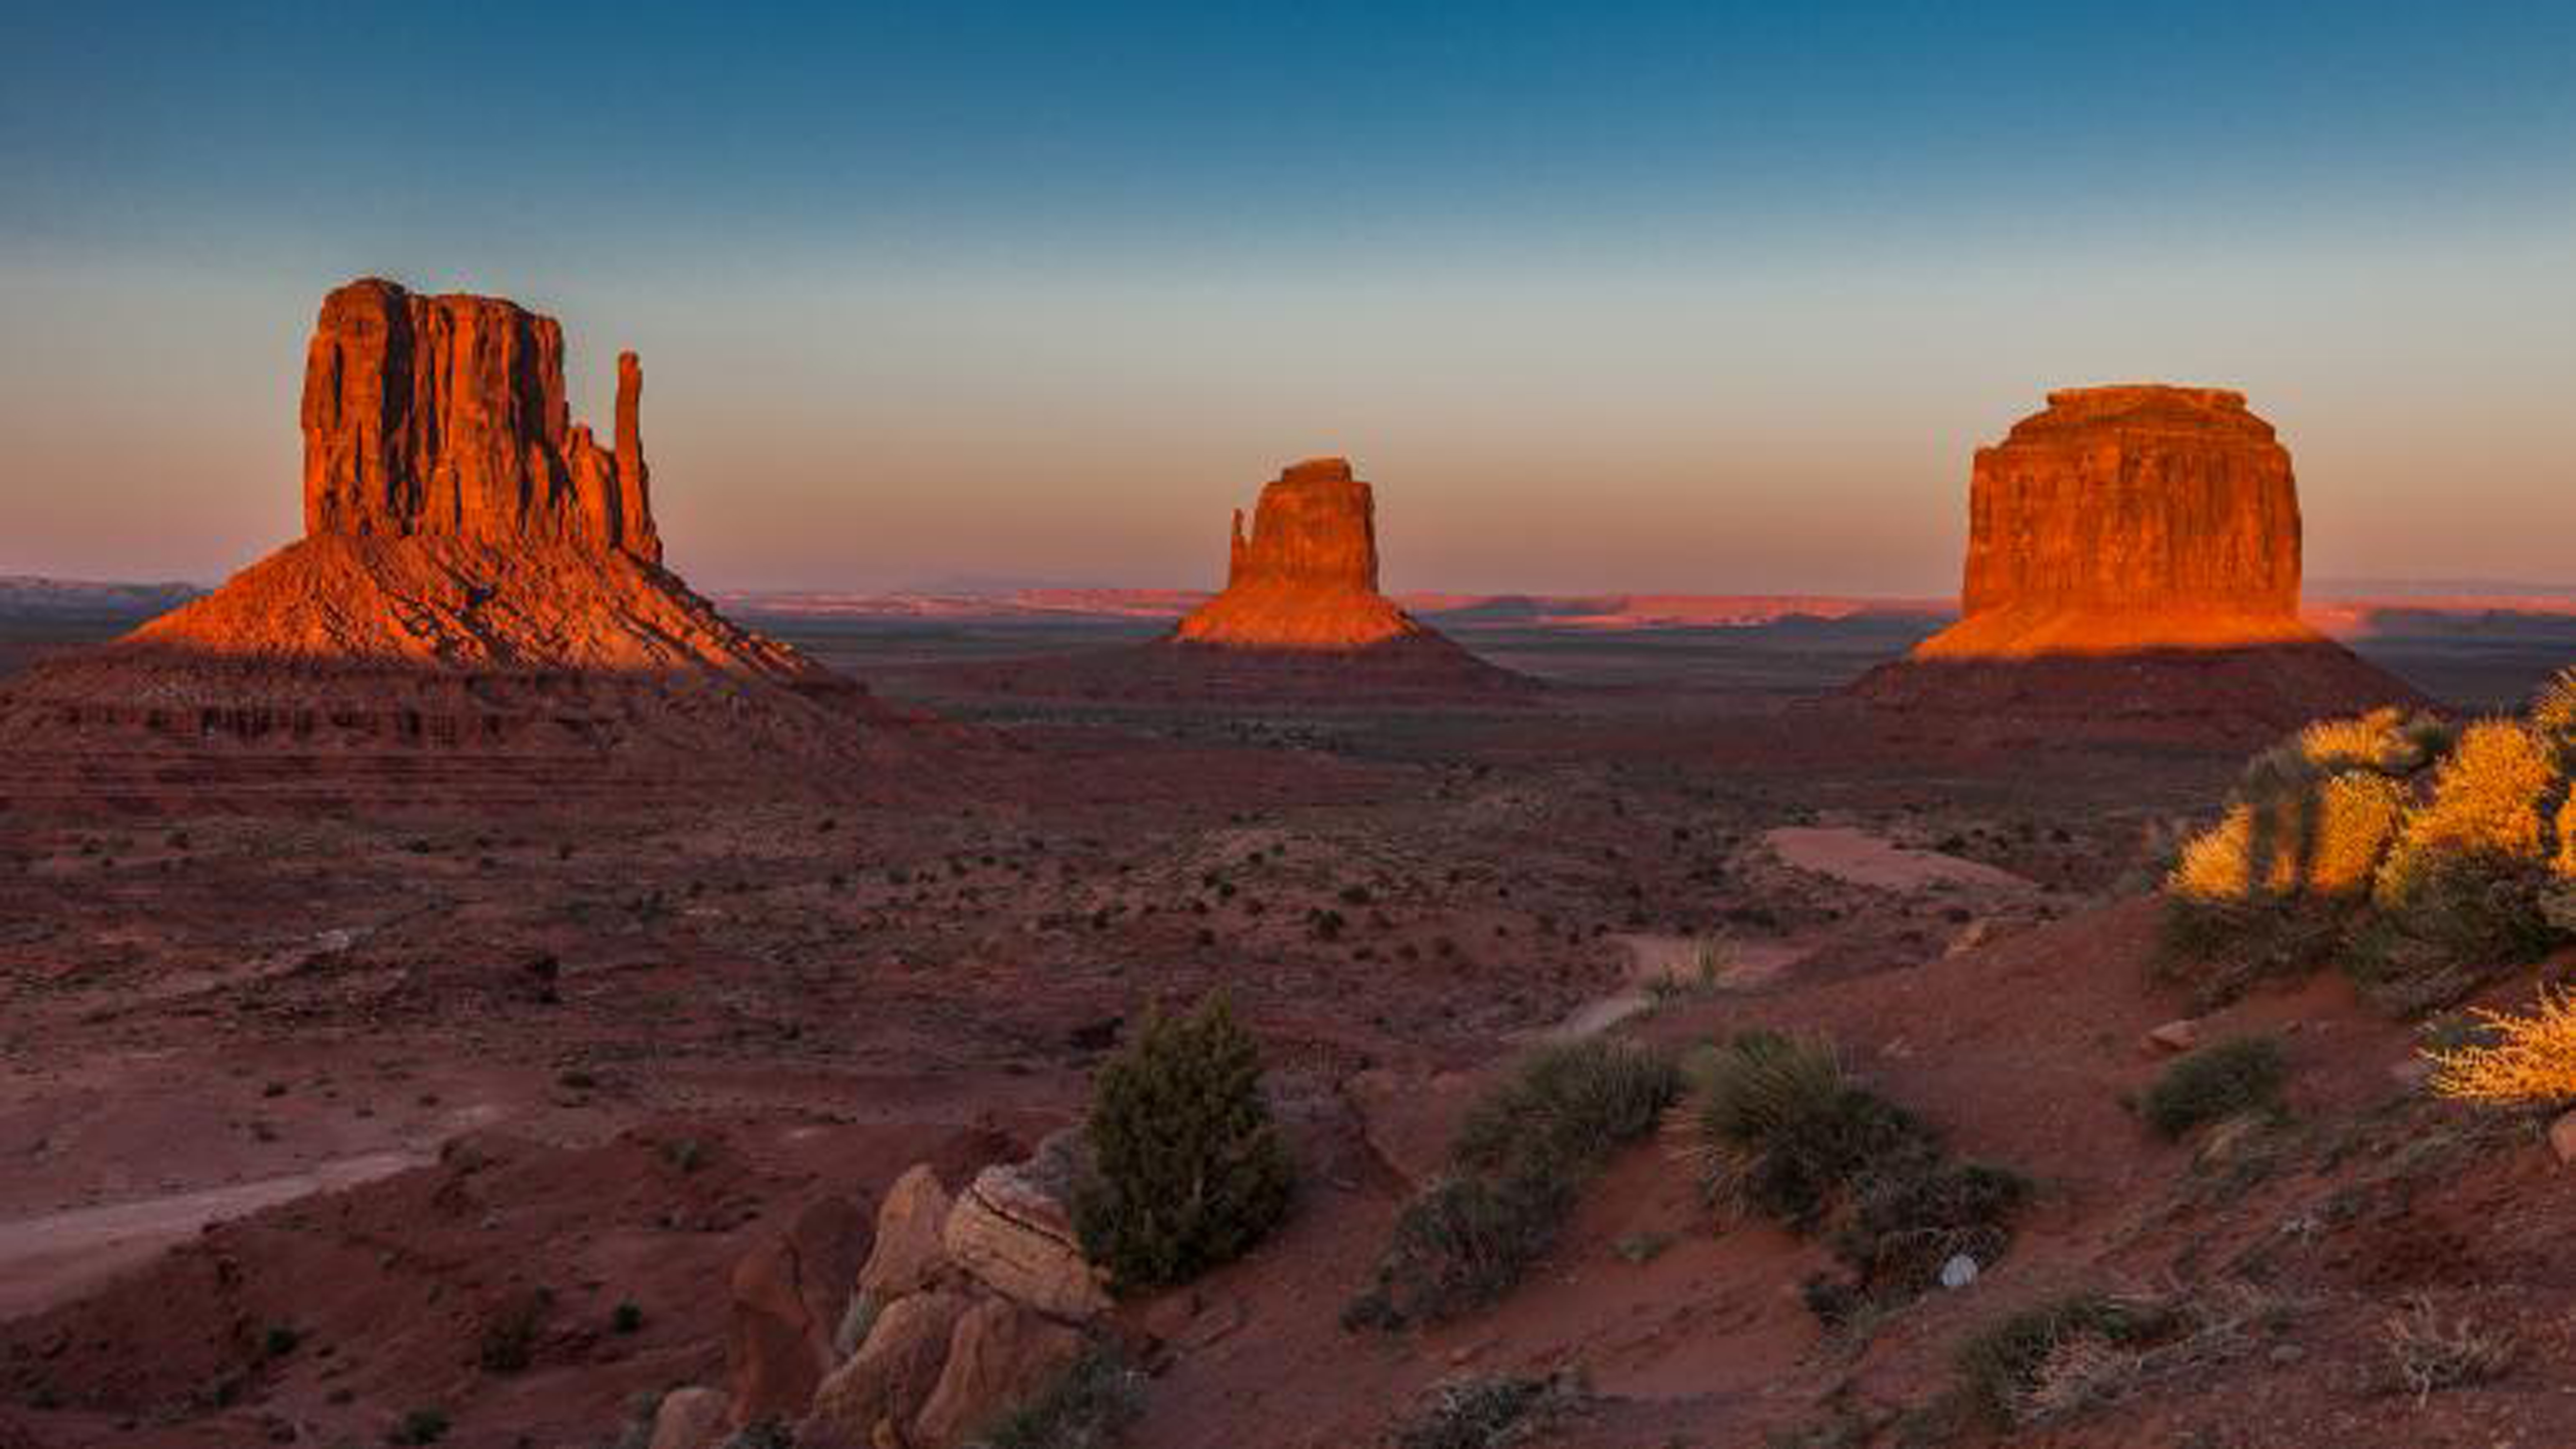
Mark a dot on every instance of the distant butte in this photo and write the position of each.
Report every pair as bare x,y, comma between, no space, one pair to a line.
2129,517
2133,567
1306,576
1300,622
479,578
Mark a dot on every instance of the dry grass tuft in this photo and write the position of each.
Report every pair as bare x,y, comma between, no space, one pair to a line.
2428,1353
2531,1062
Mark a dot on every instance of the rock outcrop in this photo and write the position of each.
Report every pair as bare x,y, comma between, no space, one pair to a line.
1012,1229
1300,621
787,1297
2129,517
2133,571
966,1307
1306,575
446,416
480,584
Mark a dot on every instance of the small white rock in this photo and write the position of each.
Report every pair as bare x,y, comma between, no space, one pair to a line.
1959,1272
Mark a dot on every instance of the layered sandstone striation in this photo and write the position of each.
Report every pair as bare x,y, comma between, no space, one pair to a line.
1306,576
2133,569
477,574
2129,517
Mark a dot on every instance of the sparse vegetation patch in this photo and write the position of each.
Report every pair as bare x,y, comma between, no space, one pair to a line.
1778,1128
2423,858
1521,1156
2221,1080
1188,1168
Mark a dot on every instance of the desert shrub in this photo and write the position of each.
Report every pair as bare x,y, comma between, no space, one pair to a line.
1567,1103
2485,802
2090,1349
2313,815
508,1343
2224,945
1460,1244
1522,1155
2531,1060
1489,1413
1188,1170
2028,1366
1778,1128
1904,1225
2220,1080
2428,1353
1088,1407
2462,918
419,1426
2470,865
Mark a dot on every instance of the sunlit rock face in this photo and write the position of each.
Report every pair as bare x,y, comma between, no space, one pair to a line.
1306,575
2133,573
445,416
478,608
2132,517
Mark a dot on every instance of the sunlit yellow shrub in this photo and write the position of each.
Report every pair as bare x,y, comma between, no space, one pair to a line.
2532,1060
2213,865
2362,740
2553,713
2356,816
2328,839
2486,801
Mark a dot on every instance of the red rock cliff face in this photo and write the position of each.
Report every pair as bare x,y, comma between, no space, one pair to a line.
2130,517
1306,577
445,416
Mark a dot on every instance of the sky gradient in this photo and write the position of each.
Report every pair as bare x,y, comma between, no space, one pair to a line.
1698,297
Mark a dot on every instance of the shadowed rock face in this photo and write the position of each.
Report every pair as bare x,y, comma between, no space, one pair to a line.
446,416
2130,517
1306,577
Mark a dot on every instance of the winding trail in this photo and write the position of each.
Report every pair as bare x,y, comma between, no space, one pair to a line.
54,1256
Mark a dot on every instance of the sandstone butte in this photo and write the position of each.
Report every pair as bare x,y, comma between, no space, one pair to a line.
2133,570
2130,517
1305,578
475,570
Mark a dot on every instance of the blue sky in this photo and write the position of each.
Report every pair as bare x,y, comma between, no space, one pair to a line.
1683,297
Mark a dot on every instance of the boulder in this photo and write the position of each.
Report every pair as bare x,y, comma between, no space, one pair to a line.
1001,1355
691,1418
1012,1229
886,1383
788,1293
2178,1035
908,1253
